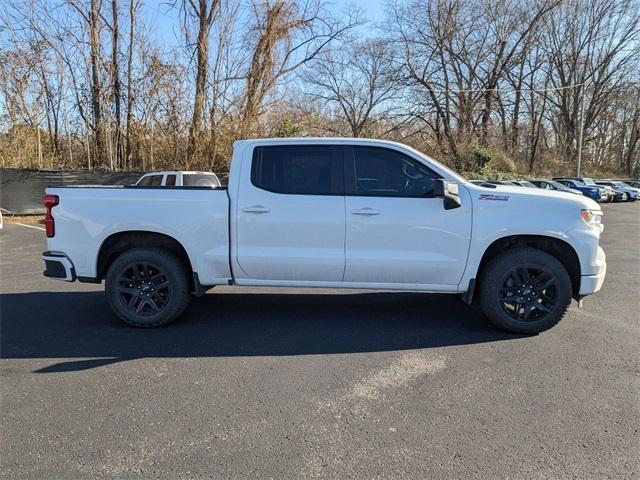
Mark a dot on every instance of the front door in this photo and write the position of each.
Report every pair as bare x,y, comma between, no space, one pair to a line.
396,232
291,215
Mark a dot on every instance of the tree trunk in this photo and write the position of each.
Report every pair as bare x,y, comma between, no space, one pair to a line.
132,15
486,115
115,72
96,88
205,16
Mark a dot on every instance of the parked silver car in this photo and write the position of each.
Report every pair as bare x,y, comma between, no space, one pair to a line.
553,185
631,193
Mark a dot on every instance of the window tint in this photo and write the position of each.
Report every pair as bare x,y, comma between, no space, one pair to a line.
171,181
200,180
387,173
301,169
156,181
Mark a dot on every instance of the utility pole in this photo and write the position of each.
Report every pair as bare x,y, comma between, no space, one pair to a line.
580,133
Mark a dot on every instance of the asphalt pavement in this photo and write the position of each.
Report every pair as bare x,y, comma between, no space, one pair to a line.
255,383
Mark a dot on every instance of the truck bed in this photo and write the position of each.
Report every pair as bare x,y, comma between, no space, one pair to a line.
197,217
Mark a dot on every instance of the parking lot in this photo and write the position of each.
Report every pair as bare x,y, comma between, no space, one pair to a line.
316,384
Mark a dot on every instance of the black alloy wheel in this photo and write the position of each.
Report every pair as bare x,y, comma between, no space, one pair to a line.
144,289
528,293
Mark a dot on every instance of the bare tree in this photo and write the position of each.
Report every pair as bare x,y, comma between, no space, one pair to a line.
117,89
357,81
590,43
509,27
133,7
489,83
96,81
288,35
204,13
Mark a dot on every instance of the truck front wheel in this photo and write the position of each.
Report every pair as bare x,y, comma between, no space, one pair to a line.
525,290
147,287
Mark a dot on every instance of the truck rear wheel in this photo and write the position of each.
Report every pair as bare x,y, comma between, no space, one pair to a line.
147,287
525,290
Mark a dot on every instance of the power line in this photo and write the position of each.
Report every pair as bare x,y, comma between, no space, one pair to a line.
505,90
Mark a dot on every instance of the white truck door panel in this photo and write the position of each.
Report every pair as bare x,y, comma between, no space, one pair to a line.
396,234
290,220
409,240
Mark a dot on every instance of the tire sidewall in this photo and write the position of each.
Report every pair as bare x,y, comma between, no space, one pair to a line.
492,282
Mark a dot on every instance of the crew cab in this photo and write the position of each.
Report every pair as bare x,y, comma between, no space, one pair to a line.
336,213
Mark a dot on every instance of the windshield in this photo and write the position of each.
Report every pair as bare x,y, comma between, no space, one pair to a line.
558,185
589,181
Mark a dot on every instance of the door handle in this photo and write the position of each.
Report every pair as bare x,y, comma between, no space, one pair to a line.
365,211
256,209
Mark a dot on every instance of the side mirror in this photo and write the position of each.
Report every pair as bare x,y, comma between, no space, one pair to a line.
449,192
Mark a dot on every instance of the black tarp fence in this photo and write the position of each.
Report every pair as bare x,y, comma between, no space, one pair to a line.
21,191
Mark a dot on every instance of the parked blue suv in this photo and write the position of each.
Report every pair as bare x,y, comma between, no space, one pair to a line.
594,193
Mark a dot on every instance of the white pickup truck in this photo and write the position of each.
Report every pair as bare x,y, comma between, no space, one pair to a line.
335,213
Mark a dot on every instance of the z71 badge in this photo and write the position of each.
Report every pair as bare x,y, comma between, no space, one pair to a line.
489,196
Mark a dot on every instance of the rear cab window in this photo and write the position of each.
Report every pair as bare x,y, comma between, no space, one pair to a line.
200,180
298,169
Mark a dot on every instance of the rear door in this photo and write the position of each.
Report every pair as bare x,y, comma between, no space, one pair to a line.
396,232
290,223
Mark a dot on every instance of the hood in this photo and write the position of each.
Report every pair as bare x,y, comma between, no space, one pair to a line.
534,193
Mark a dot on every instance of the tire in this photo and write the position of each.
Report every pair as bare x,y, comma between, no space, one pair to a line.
147,287
525,290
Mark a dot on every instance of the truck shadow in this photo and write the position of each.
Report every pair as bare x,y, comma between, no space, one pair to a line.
79,325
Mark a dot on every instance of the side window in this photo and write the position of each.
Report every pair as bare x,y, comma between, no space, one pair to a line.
171,181
384,172
144,181
156,181
298,169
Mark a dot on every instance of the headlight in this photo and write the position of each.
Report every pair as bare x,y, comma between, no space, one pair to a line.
592,218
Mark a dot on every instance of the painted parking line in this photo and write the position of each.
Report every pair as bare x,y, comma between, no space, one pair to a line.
29,226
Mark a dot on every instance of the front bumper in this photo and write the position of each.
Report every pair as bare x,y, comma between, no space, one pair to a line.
620,197
58,266
592,283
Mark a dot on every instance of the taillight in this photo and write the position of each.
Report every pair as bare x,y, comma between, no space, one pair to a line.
50,201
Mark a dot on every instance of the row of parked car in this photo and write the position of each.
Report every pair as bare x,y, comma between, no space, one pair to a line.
598,190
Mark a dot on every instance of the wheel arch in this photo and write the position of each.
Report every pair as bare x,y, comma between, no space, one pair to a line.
556,247
118,243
